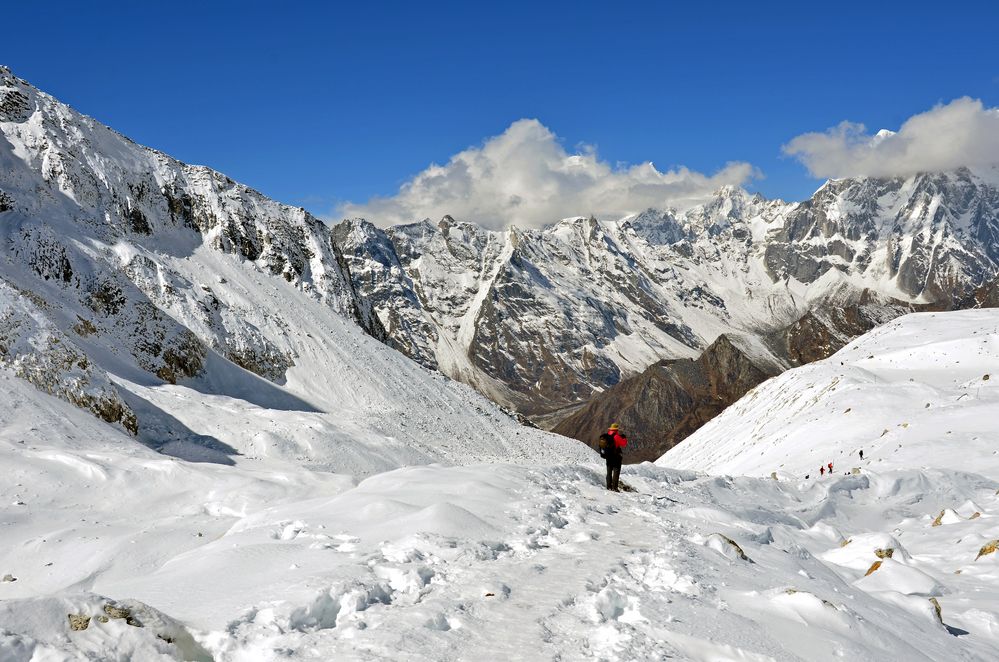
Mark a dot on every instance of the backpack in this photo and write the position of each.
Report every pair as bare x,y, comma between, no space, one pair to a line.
605,445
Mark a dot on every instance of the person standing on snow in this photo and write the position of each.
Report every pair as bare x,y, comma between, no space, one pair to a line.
612,444
822,470
830,468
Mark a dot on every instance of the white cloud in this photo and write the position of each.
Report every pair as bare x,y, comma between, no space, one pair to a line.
524,177
960,133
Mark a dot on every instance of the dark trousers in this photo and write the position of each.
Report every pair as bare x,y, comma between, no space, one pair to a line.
613,471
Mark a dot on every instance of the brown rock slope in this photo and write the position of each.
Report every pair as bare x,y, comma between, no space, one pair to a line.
663,405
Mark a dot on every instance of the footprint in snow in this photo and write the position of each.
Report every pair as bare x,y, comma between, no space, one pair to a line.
338,543
288,530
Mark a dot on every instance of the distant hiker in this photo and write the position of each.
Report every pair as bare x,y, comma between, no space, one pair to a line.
612,445
861,453
807,476
830,468
822,471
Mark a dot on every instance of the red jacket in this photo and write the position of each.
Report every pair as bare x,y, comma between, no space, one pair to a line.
620,441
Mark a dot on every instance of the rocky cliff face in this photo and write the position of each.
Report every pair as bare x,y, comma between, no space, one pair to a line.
95,228
932,236
542,320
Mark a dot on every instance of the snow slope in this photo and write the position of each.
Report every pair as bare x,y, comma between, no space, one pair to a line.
918,395
269,481
350,404
267,561
920,391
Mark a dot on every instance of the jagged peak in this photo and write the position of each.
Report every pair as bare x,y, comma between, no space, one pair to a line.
651,213
962,173
730,191
416,228
449,225
569,221
589,226
657,226
360,225
359,221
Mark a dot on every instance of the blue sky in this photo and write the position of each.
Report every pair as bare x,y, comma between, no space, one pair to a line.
320,104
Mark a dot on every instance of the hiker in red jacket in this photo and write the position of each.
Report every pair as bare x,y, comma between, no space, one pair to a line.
612,444
830,468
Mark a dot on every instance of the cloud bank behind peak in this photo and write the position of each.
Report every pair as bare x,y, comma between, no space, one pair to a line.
948,136
525,177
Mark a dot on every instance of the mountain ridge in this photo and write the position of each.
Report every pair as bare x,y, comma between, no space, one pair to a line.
670,400
540,321
664,284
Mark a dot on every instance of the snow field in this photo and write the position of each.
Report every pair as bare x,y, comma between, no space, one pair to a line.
275,523
918,396
474,562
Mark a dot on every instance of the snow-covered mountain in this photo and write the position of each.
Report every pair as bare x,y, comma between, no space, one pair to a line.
538,320
212,322
544,319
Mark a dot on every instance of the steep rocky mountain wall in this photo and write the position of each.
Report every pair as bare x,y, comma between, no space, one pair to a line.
92,225
543,320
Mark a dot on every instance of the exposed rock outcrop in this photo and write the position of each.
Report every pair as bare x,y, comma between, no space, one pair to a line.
665,403
988,548
38,352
